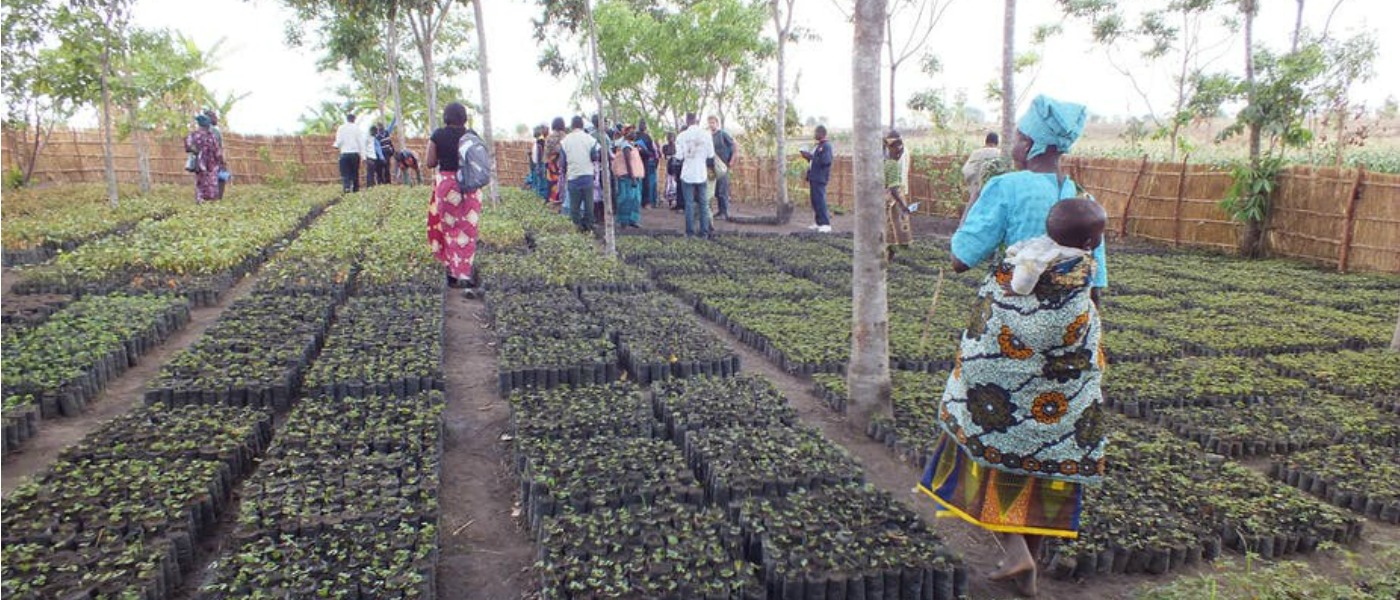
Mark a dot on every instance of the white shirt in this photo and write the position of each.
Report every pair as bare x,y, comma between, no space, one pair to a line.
350,139
578,150
695,146
1032,257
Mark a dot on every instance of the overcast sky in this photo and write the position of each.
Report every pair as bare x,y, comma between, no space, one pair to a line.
282,83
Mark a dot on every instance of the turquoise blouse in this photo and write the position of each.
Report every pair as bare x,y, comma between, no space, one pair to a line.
1011,208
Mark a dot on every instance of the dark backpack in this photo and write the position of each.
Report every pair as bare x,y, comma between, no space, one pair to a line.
473,164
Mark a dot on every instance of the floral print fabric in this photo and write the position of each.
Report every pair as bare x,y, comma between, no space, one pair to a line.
452,225
1024,397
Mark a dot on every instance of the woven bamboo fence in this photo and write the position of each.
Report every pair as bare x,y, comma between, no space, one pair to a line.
1347,218
73,156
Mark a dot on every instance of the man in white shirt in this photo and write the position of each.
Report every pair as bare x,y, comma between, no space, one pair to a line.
578,148
351,142
696,147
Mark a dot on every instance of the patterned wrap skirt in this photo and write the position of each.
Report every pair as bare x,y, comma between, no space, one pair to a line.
452,225
1022,414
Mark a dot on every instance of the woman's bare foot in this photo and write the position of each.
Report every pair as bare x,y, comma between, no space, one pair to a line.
1008,569
1026,583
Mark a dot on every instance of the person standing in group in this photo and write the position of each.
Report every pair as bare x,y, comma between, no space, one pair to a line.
554,163
224,175
208,155
351,143
818,174
724,150
978,166
897,229
578,149
630,172
539,177
453,215
651,156
383,139
372,157
406,161
696,148
673,172
1024,426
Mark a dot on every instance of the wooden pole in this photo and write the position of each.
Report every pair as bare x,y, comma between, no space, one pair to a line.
1180,196
1123,225
1349,221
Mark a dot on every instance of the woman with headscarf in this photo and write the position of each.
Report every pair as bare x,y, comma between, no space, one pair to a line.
452,215
208,159
1022,414
630,172
897,229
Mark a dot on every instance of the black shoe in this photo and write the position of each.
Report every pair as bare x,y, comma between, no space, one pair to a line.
471,293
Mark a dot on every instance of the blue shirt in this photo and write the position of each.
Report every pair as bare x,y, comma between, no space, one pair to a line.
820,169
1011,208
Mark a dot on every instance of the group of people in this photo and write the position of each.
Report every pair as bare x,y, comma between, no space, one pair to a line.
567,170
204,148
1022,412
375,149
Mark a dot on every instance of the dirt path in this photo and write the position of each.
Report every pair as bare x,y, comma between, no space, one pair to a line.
484,553
121,395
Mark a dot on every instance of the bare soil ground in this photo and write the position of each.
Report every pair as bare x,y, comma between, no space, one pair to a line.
484,551
121,395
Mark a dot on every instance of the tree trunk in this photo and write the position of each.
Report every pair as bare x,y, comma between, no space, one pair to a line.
889,45
109,167
485,70
609,231
429,78
1253,243
785,208
399,131
138,139
868,378
1008,78
1297,26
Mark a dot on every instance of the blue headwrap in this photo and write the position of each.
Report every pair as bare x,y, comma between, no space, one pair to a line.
202,120
1050,122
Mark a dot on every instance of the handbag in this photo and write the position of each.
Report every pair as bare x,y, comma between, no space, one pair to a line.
192,162
721,169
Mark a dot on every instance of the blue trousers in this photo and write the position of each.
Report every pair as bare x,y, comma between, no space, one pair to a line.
580,204
819,202
649,185
722,194
696,206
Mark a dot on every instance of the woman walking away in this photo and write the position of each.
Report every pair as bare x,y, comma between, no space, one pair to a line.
1022,413
630,171
452,215
554,161
897,230
208,158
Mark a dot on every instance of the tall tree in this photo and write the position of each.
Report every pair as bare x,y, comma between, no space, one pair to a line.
1253,242
159,87
392,46
105,22
1008,79
782,29
425,19
868,379
1181,36
43,84
609,231
484,69
926,15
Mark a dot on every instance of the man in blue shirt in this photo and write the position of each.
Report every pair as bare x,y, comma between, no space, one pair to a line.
818,174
